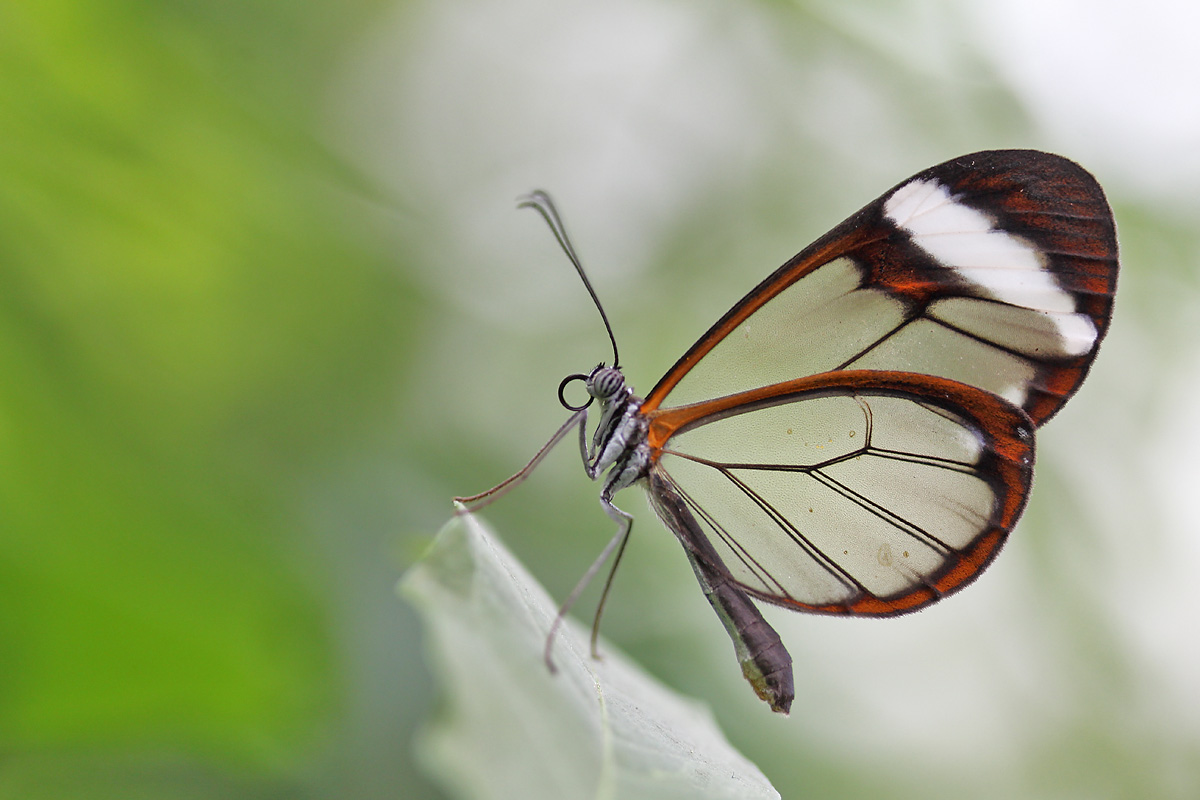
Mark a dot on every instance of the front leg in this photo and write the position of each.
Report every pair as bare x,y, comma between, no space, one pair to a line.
478,501
589,458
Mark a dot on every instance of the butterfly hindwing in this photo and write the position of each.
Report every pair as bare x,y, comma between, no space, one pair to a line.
857,492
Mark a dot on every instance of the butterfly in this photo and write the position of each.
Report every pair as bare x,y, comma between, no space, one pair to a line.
855,436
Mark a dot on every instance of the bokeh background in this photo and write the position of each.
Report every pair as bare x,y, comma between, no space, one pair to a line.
265,306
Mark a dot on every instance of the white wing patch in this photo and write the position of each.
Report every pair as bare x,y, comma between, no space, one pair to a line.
1035,334
1006,267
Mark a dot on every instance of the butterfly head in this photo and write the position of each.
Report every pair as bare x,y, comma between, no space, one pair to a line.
603,383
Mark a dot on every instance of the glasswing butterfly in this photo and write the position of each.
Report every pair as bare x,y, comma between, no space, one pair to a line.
856,435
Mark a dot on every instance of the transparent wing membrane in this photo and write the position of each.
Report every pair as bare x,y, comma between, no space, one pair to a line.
996,269
851,492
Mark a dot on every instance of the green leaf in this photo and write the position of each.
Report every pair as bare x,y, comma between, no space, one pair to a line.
508,728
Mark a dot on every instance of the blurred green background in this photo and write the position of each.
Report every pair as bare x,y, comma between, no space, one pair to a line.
265,306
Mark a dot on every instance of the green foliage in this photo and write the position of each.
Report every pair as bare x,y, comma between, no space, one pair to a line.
191,324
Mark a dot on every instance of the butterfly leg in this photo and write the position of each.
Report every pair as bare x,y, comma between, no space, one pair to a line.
624,522
478,501
628,466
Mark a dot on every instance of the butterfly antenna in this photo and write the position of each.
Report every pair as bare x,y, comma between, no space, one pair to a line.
541,202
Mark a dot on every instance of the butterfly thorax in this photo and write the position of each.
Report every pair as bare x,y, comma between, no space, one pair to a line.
620,438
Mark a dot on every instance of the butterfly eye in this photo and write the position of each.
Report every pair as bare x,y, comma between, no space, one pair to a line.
605,382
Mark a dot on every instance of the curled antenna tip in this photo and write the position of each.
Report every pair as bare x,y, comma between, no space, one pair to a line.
536,197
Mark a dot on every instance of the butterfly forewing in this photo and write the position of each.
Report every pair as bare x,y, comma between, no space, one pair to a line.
996,269
849,492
